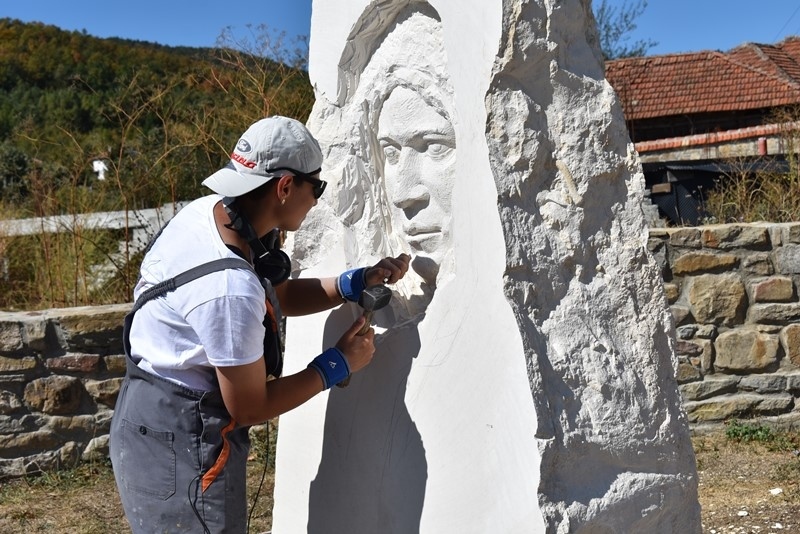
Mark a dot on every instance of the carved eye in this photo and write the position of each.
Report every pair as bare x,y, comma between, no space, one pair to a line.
391,153
438,151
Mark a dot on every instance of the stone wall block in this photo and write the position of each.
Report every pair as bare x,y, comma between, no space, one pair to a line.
736,236
89,331
771,383
698,352
711,386
680,314
74,363
687,372
9,403
718,409
787,259
115,364
792,233
790,341
774,313
55,394
793,383
775,235
22,364
672,291
703,262
718,299
104,391
686,237
773,289
757,264
23,444
11,337
745,350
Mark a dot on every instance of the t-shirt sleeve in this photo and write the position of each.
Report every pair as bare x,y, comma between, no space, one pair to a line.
230,328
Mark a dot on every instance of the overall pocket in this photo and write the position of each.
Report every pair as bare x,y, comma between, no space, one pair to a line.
148,460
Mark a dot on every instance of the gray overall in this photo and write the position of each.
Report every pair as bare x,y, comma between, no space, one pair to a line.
179,459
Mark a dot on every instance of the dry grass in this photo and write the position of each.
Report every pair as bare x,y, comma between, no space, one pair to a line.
735,477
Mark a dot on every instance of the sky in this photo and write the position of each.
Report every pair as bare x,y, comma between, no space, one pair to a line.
676,25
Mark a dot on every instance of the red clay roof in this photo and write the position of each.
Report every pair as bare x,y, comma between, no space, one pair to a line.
751,76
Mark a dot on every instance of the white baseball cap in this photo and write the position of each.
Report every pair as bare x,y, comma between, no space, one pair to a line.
268,149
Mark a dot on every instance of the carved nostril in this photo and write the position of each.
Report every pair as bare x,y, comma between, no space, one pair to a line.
413,201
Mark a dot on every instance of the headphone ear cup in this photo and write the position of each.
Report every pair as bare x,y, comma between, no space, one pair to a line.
275,266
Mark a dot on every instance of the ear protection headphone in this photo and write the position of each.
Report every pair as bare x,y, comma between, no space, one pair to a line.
270,261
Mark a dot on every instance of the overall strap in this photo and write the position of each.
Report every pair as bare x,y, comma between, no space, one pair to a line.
162,288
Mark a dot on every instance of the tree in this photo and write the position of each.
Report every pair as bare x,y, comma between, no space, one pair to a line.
614,26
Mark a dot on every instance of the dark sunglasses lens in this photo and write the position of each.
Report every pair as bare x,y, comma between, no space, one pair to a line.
319,188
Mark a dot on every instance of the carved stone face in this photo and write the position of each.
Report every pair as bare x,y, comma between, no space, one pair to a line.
418,144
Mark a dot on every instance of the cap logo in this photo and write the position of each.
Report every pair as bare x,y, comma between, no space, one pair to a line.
243,146
244,161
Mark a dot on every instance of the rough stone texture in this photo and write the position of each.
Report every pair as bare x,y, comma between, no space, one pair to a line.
737,406
701,262
710,387
757,264
775,289
547,192
735,236
790,341
685,237
787,259
718,299
774,313
745,349
55,391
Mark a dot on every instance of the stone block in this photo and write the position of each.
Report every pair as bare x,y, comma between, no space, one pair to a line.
793,383
718,299
790,341
115,364
672,291
745,350
685,237
757,264
787,259
735,236
679,313
17,365
9,403
11,338
711,386
775,235
773,289
686,331
74,363
92,330
773,313
771,383
54,394
688,373
706,331
792,233
740,405
96,450
104,391
702,262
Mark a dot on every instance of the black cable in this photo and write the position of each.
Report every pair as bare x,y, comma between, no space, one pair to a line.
193,503
263,476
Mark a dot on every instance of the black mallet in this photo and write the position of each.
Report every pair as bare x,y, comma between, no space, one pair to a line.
372,299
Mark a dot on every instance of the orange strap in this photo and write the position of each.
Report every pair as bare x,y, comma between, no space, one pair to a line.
271,313
212,474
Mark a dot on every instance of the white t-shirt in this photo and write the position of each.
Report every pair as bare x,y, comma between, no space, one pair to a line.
213,321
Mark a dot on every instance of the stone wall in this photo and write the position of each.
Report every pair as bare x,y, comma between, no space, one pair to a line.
60,372
733,292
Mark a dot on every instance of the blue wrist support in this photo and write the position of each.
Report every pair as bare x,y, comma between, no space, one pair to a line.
351,283
332,367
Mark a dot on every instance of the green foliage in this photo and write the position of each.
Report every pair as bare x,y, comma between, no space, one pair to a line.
756,432
614,26
160,118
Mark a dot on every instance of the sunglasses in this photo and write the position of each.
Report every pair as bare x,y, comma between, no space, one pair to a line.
317,184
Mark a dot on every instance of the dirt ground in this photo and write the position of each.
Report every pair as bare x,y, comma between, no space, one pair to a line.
745,487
